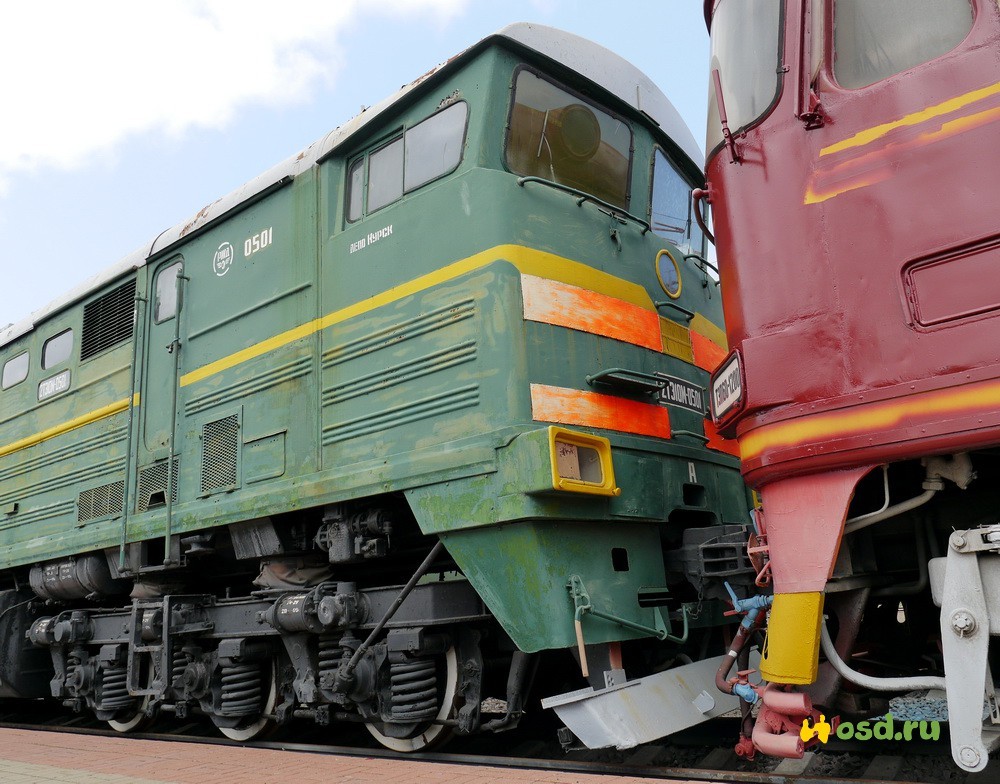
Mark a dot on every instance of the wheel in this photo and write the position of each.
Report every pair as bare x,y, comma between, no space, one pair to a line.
133,717
249,728
136,720
429,735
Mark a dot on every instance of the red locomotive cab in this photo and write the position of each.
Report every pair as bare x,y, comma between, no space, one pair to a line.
852,177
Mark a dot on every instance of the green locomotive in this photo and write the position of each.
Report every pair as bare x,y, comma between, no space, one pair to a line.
459,345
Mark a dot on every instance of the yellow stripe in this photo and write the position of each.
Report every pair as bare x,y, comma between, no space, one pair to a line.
526,260
869,418
707,329
862,138
72,424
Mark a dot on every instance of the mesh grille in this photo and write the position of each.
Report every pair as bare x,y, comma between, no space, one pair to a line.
108,320
219,447
153,480
101,501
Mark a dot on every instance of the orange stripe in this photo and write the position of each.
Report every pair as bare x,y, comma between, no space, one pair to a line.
708,355
552,302
591,409
728,445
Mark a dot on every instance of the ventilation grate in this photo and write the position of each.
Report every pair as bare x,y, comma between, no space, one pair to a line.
108,320
219,449
101,501
153,486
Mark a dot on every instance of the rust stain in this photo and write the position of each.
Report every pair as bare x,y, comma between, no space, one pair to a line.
193,223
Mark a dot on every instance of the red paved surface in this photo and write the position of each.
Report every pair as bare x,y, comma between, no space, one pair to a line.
29,757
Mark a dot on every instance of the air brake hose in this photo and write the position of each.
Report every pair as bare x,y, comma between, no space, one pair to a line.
754,618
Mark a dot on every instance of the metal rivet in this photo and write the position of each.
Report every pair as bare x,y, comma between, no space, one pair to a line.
969,756
963,623
957,541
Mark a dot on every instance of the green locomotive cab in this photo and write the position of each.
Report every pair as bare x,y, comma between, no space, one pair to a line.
478,314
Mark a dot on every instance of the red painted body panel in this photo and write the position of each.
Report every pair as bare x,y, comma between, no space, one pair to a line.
859,263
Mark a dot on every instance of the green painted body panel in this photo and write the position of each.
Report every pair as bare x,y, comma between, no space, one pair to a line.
521,570
312,370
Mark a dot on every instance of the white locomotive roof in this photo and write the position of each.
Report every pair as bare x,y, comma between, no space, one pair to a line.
590,60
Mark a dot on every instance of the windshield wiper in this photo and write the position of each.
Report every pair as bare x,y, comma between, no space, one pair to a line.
720,103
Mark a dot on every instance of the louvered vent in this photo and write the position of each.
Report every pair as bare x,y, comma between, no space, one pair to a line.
219,448
108,320
153,486
101,501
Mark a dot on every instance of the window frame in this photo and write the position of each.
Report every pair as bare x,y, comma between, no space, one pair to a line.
830,49
768,110
179,263
364,158
583,98
686,179
69,355
26,353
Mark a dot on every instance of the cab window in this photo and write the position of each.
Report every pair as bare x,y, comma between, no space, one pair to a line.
564,138
15,370
875,40
671,211
425,152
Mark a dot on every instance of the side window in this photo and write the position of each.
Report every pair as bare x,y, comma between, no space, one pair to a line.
165,304
425,152
875,40
57,349
671,209
356,189
434,147
385,175
15,370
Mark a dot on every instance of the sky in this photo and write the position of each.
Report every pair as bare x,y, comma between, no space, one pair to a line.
123,118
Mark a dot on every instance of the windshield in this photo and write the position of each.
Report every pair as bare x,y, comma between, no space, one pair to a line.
561,137
746,52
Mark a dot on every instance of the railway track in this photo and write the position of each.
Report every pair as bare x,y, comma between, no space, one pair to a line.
695,755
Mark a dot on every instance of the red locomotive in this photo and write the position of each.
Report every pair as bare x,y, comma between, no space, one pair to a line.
855,207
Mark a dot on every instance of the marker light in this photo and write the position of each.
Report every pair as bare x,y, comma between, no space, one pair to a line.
581,463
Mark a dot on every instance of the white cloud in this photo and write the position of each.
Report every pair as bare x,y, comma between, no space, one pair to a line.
80,77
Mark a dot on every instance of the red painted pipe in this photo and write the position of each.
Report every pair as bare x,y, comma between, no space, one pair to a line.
785,744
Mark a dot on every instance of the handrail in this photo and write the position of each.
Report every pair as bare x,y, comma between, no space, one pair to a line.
616,212
698,194
689,314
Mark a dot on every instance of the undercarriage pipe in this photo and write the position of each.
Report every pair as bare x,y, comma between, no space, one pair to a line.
870,682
